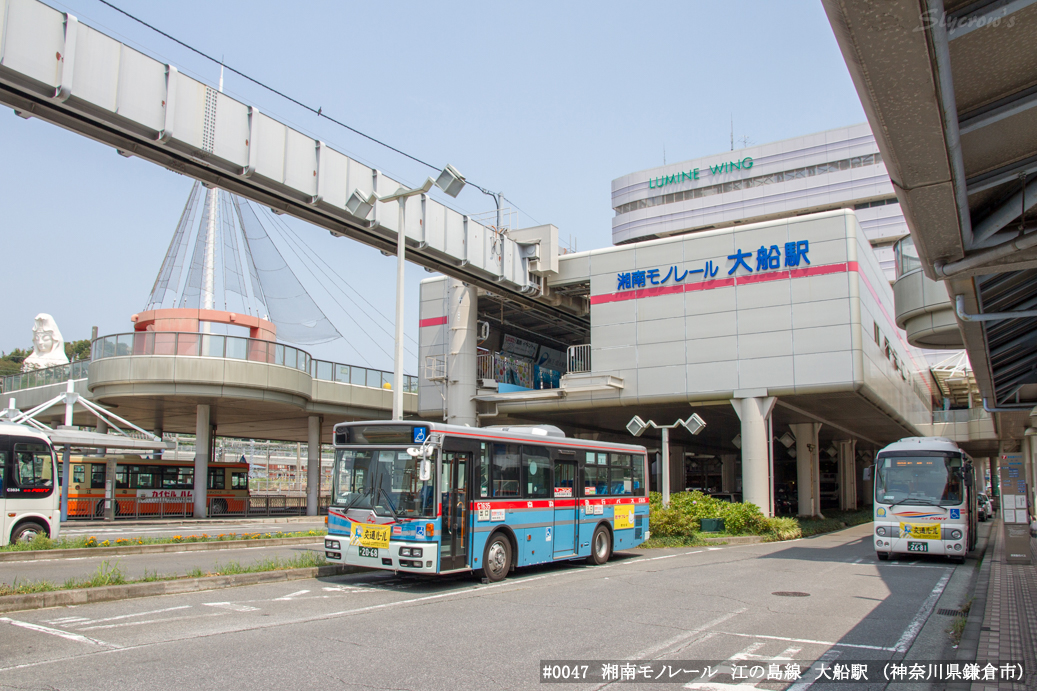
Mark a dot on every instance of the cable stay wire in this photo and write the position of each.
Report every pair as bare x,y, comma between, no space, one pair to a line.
306,255
335,276
318,111
304,263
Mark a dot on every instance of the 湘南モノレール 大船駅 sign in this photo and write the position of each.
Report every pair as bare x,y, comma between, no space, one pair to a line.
725,167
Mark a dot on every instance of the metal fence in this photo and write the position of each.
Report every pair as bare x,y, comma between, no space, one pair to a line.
578,358
43,377
183,507
200,345
359,376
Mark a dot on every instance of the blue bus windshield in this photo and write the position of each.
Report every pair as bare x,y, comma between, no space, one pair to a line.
385,481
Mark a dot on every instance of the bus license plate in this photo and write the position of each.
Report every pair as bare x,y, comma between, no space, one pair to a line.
915,547
373,551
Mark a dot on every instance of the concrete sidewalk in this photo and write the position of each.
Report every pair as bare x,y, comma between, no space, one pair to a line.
1008,629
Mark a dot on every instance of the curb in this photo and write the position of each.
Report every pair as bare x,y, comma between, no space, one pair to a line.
108,593
79,552
734,540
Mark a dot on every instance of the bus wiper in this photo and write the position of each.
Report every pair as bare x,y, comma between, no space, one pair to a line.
356,499
918,501
388,502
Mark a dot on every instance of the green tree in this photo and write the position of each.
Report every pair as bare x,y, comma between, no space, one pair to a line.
77,350
11,363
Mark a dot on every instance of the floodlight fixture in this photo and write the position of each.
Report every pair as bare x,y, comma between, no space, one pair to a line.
787,440
737,441
694,424
792,451
450,181
637,426
360,205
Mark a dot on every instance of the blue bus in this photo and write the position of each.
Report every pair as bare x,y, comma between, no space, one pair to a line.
429,498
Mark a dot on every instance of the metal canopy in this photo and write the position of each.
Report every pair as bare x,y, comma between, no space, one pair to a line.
94,440
950,90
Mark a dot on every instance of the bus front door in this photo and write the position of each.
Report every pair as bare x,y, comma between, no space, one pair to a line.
453,553
566,514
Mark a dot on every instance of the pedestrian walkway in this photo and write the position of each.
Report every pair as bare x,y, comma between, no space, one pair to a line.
1009,631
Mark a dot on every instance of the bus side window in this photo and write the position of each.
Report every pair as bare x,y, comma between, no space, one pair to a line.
484,471
238,481
639,476
217,478
3,470
79,473
32,466
97,475
506,470
122,477
536,471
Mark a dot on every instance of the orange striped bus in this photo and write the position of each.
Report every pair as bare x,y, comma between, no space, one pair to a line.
149,487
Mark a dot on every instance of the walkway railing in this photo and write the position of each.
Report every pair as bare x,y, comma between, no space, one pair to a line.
960,415
192,344
44,377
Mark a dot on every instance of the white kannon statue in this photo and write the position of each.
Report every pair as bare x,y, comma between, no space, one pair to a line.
48,347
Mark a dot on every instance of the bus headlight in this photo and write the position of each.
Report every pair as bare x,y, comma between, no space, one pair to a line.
410,551
881,531
955,534
332,544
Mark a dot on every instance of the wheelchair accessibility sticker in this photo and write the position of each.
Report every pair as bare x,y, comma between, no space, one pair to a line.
955,513
548,534
419,531
419,435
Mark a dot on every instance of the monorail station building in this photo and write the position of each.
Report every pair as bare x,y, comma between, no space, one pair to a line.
744,287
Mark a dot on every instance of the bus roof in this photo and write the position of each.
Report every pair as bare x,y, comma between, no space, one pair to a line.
909,444
544,435
23,431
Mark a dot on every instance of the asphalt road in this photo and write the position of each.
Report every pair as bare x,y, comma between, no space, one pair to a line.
211,526
381,631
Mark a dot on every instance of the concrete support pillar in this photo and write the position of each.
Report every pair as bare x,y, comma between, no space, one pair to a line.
808,470
461,354
1027,448
312,464
847,474
677,474
756,480
202,453
727,473
102,425
868,490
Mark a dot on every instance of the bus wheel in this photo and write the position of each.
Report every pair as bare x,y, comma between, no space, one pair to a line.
601,546
27,531
883,556
99,509
497,558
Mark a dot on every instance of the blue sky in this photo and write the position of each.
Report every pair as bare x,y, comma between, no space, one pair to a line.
547,102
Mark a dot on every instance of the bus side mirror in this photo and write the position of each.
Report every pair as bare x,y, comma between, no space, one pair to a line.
866,477
425,470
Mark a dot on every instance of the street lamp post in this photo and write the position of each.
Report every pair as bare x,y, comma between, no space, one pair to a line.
694,424
451,182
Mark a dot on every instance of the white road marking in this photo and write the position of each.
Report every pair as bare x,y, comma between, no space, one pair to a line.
923,613
859,560
58,632
695,552
86,622
291,595
810,641
661,648
746,654
152,621
231,606
713,549
65,620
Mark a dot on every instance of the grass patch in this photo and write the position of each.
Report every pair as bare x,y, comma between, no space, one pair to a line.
834,520
112,574
42,542
957,629
680,523
692,540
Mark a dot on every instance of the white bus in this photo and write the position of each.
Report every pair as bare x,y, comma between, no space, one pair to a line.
29,493
925,499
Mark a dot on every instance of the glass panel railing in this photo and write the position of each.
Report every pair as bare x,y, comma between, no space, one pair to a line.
211,345
45,377
237,348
